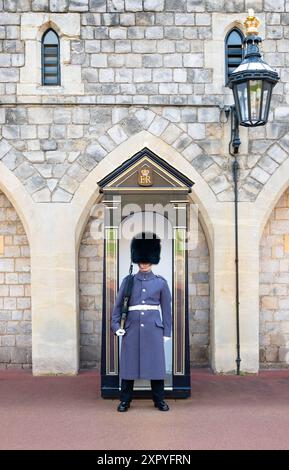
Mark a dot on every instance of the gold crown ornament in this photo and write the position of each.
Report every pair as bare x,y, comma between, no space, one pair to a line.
252,23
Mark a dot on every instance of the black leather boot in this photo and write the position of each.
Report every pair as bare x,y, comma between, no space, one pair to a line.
123,406
162,406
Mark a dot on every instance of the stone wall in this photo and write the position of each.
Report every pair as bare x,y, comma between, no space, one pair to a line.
52,149
15,303
274,287
90,297
156,65
91,288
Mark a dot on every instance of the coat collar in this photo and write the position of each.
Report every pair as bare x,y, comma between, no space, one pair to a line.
144,276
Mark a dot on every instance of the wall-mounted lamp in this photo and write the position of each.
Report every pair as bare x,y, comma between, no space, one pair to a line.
252,83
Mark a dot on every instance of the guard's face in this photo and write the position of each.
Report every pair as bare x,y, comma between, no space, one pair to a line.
144,266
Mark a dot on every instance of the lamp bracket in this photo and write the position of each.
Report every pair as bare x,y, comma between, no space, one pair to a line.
235,141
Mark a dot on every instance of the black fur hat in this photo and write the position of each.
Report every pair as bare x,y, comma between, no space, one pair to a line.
145,247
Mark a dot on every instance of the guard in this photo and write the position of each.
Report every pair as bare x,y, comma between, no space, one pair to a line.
145,330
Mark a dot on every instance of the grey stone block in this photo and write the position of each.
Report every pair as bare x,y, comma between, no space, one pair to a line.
109,19
115,5
21,355
144,19
127,19
182,142
274,5
48,144
195,5
214,5
5,60
9,75
154,32
45,169
184,19
88,353
101,115
95,151
69,184
5,315
34,183
154,60
173,32
59,5
86,327
145,117
12,159
131,125
189,115
153,5
78,5
234,6
200,75
55,156
201,162
274,32
11,132
175,5
192,151
133,5
260,175
24,170
24,340
92,46
9,18
100,5
4,147
87,162
209,114
5,355
117,134
219,184
277,153
267,164
158,125
77,172
40,5
101,32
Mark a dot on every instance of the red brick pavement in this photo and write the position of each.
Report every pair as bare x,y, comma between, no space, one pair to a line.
224,412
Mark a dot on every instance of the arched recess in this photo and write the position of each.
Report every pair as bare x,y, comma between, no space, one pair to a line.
274,287
15,282
91,250
270,215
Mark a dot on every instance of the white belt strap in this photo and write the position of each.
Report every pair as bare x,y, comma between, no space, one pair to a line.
144,307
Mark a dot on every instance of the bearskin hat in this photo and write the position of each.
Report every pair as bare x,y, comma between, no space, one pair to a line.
145,248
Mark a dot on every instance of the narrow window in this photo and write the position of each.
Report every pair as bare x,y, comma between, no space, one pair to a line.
233,51
50,58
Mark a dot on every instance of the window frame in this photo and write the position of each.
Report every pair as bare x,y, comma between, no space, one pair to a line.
242,37
42,60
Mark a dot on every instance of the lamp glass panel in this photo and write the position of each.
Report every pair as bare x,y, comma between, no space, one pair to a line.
242,94
255,93
266,100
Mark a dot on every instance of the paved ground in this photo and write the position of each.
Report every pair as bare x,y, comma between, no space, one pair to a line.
224,412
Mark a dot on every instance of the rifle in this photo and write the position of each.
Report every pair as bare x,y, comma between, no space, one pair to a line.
126,297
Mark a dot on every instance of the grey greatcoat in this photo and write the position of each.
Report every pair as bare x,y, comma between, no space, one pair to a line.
142,351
